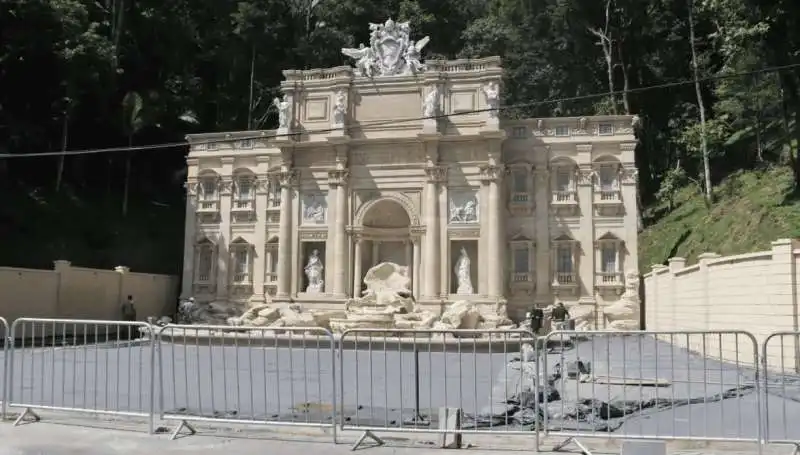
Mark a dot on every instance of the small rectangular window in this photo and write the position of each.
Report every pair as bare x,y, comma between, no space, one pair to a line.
563,180
520,181
562,131
241,265
608,253
564,259
209,190
605,129
519,132
275,193
244,187
212,145
205,262
246,144
607,177
521,260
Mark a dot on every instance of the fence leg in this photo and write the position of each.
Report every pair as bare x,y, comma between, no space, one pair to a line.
568,441
367,434
181,426
28,412
418,419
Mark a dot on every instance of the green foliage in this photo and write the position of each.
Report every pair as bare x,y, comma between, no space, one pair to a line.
108,71
752,209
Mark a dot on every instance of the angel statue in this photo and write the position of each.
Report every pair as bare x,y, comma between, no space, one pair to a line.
364,57
282,105
413,55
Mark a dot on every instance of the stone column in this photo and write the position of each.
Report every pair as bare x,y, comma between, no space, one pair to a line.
544,267
338,180
407,246
494,263
357,266
260,255
585,269
287,180
189,228
223,251
415,269
432,243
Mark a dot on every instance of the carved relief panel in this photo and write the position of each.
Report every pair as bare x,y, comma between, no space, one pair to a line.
463,206
314,208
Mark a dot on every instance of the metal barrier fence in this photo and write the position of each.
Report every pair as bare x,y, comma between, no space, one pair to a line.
84,366
643,385
780,355
4,365
437,381
246,375
575,385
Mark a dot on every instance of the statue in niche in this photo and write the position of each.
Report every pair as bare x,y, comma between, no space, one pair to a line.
313,270
463,273
339,108
431,105
314,210
466,213
282,105
492,92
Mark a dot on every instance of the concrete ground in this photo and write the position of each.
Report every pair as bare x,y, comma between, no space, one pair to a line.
59,434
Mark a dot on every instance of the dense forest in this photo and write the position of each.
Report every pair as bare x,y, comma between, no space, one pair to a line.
715,82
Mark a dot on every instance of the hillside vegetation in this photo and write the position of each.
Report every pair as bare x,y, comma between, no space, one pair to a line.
752,209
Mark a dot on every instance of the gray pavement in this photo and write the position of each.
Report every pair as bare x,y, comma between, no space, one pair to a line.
238,383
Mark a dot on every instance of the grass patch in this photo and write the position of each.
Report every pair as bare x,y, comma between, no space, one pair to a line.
752,209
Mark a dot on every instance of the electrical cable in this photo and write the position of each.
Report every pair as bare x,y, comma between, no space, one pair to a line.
169,145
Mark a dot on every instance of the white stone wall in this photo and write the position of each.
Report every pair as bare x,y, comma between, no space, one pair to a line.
754,292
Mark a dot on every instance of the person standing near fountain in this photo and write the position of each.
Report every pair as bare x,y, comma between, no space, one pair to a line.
462,271
313,271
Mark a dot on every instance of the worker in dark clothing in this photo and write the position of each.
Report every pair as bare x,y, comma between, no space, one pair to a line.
559,316
128,310
537,318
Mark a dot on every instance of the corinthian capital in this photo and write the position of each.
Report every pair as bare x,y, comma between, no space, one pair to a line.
436,173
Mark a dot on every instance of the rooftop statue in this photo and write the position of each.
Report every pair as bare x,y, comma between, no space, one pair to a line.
391,51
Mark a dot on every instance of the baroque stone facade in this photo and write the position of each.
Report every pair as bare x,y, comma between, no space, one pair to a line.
399,161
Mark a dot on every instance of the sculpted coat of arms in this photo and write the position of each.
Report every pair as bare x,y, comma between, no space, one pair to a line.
391,51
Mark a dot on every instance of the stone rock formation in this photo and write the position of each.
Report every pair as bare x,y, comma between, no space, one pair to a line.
386,304
624,313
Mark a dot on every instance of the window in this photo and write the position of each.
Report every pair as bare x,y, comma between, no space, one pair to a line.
246,144
605,129
207,194
608,258
274,193
563,180
607,177
562,131
521,260
241,264
564,260
212,145
205,262
243,199
519,132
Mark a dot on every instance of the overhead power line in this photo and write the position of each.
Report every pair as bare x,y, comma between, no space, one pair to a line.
169,145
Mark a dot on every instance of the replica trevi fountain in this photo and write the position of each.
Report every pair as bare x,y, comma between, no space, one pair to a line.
395,195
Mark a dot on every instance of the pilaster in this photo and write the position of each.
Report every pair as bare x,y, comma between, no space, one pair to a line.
223,252
541,187
190,226
287,179
586,235
259,249
629,182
